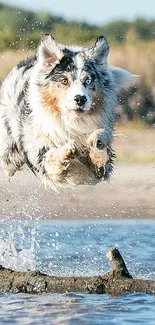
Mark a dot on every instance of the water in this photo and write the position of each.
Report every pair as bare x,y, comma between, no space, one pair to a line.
77,248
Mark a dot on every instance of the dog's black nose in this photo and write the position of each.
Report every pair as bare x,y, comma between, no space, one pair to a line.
80,100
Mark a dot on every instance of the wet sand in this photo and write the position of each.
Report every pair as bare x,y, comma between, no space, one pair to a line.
130,194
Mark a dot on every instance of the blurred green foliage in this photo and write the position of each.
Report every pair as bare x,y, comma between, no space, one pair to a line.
22,28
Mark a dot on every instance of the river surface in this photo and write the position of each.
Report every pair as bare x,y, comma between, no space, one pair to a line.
77,248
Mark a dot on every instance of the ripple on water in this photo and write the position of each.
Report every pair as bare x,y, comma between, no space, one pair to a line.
76,309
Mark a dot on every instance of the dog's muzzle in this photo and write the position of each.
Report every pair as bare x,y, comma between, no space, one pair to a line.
80,100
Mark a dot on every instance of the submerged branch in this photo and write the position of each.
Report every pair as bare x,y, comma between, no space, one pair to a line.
115,282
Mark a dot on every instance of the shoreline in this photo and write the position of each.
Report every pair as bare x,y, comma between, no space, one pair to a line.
130,195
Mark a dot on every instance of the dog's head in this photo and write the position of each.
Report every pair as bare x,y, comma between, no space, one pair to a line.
76,80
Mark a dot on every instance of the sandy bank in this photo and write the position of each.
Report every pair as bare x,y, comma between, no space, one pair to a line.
131,194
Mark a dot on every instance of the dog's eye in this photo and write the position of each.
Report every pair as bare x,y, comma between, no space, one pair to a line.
64,81
88,80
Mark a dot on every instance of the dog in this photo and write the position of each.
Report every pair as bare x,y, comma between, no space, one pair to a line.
57,113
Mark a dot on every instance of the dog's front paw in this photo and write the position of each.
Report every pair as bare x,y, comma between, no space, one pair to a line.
98,139
57,160
101,154
97,142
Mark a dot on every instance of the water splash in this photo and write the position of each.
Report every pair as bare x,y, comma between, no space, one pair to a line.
13,254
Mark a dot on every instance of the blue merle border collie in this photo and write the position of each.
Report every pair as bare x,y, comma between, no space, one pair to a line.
56,113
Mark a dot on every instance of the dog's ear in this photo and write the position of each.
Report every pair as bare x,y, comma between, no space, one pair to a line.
48,51
122,77
99,51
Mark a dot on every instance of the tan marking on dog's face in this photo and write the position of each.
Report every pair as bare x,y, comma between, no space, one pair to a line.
50,102
54,95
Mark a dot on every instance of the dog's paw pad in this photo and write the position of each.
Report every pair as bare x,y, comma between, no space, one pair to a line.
100,145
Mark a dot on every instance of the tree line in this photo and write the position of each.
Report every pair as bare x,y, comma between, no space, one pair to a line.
20,27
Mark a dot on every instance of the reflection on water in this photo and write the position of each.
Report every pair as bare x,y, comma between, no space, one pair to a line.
77,248
77,309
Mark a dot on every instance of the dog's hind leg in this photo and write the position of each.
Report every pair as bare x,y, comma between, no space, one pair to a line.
11,160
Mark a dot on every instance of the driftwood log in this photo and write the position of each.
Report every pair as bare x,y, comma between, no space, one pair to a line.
115,282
